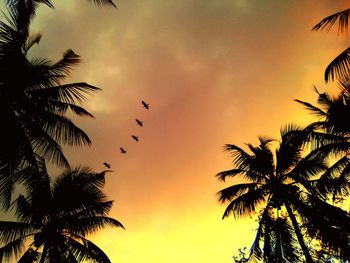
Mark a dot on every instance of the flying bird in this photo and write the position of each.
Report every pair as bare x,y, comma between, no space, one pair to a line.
140,123
122,150
145,105
136,138
107,165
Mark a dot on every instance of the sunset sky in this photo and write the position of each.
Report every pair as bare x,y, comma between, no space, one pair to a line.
214,72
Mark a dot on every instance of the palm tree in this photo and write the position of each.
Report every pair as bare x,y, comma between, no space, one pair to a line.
332,134
33,101
50,4
340,66
274,179
55,217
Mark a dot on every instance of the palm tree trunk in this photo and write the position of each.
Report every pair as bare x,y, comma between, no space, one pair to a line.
299,235
267,243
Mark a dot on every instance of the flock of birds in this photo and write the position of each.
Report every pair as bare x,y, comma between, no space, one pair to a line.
134,137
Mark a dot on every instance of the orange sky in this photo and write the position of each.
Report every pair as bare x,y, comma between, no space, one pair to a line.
214,72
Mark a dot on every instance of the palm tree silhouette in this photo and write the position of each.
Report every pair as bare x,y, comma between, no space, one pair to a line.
273,181
331,133
50,4
340,66
55,217
333,112
33,101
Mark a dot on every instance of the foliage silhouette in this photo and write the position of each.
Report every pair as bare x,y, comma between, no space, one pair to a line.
333,112
50,4
332,131
274,179
242,257
340,66
33,101
55,217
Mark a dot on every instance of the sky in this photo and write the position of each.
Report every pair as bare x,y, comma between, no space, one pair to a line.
214,72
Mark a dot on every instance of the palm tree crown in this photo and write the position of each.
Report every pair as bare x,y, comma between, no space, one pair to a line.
33,101
55,217
273,180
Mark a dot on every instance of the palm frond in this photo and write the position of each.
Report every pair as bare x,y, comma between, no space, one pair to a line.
10,231
7,183
79,251
86,250
240,157
262,161
313,109
62,107
245,204
231,173
62,129
12,249
289,153
233,191
320,139
21,13
104,2
95,252
328,22
82,210
29,256
24,210
89,225
42,143
336,168
309,167
80,188
68,93
32,40
339,67
331,221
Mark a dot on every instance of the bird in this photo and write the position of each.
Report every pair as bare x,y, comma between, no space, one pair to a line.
107,165
140,123
145,105
136,138
122,150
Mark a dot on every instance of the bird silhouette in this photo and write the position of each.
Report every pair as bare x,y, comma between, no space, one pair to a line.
122,150
107,165
140,123
136,138
145,105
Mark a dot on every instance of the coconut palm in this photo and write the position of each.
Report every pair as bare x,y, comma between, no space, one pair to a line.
50,4
333,112
332,134
33,100
332,131
340,66
274,179
55,217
